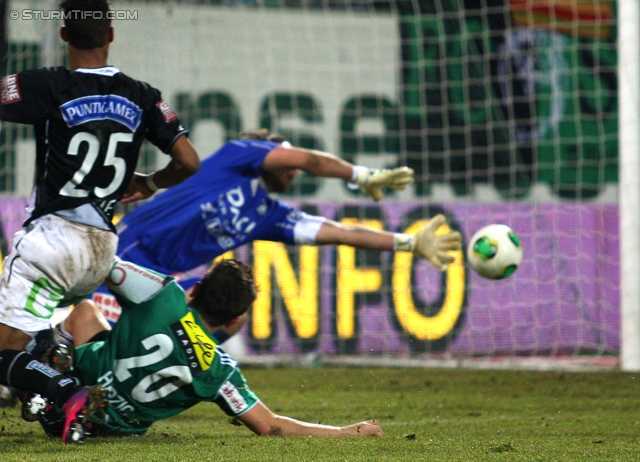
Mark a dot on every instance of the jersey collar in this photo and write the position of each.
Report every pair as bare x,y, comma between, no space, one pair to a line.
108,71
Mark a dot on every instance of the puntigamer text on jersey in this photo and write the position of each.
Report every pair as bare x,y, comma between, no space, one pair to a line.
100,107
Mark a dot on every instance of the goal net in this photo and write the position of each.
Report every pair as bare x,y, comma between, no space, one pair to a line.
507,110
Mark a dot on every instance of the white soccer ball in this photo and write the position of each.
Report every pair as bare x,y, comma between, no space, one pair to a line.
495,252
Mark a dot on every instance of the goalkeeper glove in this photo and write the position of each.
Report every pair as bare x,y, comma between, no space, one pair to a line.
371,181
434,247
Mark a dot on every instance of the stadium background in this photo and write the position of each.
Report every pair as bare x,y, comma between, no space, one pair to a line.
507,110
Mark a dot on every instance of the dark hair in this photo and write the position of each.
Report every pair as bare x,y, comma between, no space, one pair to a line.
261,134
87,23
226,292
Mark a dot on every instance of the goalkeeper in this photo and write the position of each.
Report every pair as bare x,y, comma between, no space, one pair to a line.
161,358
228,204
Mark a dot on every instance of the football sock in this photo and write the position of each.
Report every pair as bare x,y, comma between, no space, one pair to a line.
61,335
23,371
44,341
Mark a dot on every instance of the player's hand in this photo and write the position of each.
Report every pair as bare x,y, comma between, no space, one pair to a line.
137,190
366,428
372,181
434,247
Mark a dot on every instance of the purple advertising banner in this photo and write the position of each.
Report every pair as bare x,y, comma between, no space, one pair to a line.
563,299
565,295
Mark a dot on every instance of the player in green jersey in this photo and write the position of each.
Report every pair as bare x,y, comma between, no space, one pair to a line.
161,358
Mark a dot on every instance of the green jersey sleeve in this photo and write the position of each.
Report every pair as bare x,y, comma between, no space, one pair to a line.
234,396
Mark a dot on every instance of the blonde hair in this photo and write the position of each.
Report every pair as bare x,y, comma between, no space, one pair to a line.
261,134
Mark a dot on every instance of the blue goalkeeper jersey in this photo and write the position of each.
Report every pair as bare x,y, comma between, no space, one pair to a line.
221,207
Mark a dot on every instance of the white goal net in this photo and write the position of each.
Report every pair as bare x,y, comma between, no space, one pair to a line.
507,110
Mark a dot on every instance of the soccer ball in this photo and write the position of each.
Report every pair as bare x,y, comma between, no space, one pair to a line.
495,252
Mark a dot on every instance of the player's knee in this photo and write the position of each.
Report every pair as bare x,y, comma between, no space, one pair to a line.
82,313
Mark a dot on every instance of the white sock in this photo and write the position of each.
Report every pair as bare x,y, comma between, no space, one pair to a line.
61,335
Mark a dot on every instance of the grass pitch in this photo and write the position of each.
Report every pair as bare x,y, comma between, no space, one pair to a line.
427,414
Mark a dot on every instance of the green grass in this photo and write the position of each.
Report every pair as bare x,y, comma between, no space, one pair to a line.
427,414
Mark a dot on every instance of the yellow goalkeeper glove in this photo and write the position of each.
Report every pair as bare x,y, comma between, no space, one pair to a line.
371,181
434,247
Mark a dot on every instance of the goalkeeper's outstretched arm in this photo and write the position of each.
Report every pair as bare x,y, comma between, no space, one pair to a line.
428,244
371,181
